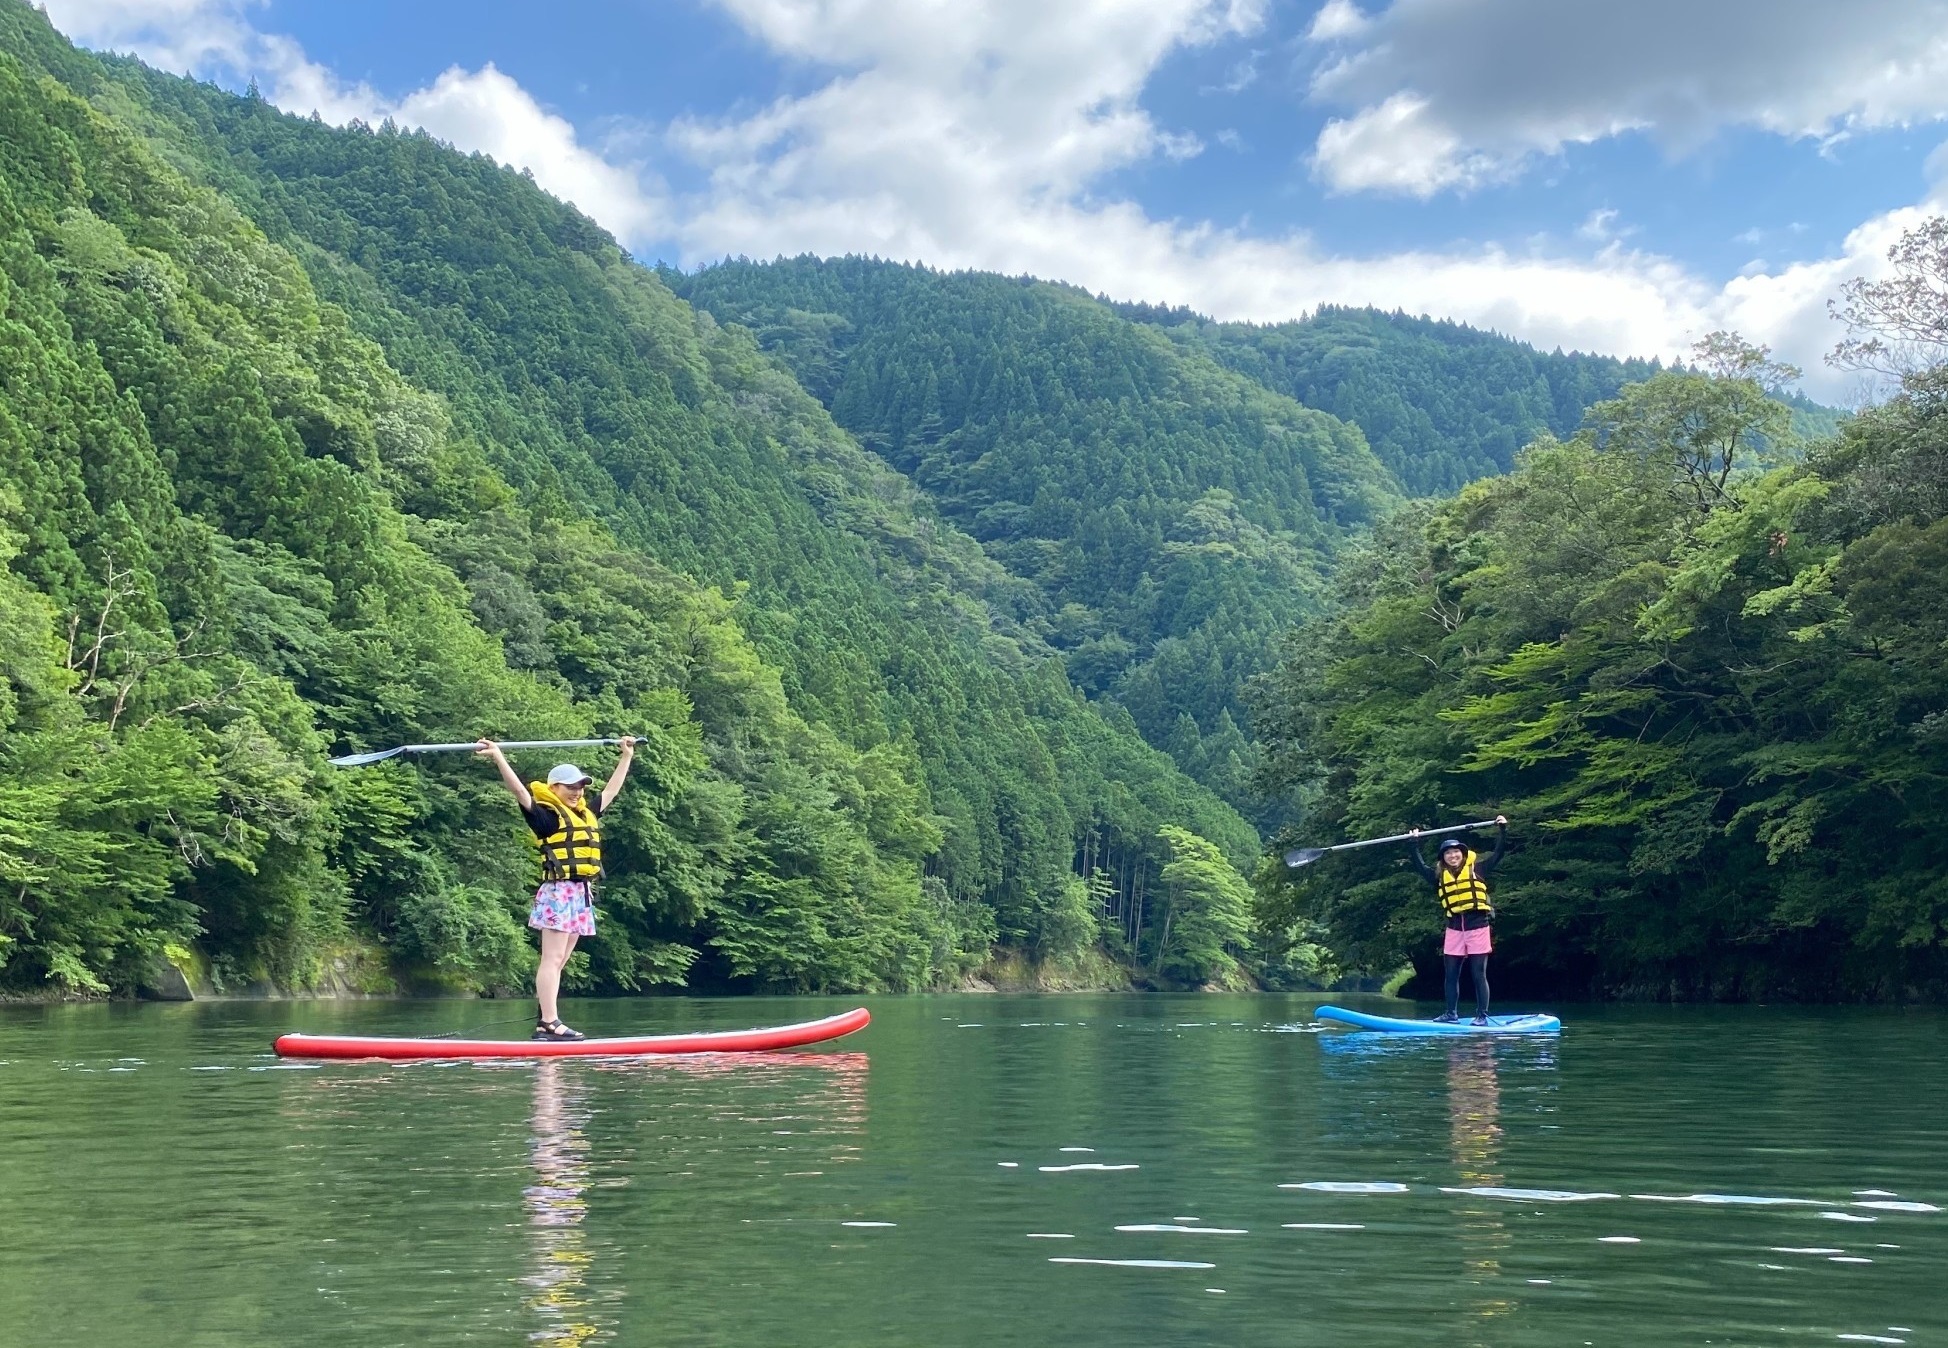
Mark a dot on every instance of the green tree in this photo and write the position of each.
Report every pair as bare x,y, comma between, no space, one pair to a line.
1207,909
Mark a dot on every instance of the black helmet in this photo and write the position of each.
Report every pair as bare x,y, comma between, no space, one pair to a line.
1454,843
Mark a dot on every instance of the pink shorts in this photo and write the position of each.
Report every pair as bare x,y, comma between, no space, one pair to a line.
1473,941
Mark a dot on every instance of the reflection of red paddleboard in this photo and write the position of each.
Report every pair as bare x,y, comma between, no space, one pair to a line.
721,1041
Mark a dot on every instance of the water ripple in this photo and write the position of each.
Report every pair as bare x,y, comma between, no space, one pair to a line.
1349,1187
1732,1200
1192,1230
1531,1195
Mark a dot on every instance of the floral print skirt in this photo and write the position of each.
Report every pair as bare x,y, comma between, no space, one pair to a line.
563,905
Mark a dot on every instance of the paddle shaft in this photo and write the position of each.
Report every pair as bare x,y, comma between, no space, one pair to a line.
1305,856
1416,834
380,755
505,744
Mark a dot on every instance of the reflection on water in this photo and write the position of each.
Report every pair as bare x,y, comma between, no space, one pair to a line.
1474,1112
559,1152
820,1095
1658,1176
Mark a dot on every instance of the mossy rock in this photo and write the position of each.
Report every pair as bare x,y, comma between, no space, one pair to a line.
179,973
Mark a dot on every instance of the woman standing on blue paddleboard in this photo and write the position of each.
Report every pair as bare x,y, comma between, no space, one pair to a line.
568,830
1460,886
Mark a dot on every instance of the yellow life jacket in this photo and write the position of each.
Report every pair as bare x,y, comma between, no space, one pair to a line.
1461,891
574,850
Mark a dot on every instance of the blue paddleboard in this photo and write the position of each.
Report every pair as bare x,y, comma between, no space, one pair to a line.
1536,1023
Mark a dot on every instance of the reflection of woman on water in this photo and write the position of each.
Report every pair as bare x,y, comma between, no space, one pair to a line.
556,1208
1459,884
1474,1103
568,830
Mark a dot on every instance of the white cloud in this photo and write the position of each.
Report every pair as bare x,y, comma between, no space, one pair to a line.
1239,78
1599,226
1450,94
1336,19
982,152
1787,308
970,135
951,111
1397,146
482,110
985,154
173,34
487,111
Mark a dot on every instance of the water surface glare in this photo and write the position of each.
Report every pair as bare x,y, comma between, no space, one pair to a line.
1653,1176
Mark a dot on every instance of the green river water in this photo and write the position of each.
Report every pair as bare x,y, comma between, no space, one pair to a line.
1073,1170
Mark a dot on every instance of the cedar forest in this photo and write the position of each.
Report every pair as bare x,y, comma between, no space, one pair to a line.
965,618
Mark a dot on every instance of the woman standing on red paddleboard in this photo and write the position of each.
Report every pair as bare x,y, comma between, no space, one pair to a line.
1459,883
568,829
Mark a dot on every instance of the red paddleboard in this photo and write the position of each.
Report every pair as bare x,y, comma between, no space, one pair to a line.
719,1041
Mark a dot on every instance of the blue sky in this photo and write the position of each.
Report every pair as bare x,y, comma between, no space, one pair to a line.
1610,177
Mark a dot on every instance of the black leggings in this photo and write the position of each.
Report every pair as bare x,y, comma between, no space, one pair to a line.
1477,966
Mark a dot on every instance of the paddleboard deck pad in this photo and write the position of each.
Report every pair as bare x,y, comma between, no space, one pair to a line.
1535,1023
717,1041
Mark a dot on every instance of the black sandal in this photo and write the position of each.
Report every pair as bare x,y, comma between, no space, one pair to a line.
553,1031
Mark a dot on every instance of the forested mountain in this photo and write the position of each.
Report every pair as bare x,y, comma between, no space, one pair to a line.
1440,402
1134,461
1712,700
316,438
1177,517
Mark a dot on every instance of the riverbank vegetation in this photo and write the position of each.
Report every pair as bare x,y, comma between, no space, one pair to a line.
1700,666
316,439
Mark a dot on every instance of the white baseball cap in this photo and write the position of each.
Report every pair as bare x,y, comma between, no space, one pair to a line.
567,774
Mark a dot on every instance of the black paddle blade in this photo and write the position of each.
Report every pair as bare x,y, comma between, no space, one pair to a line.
1304,856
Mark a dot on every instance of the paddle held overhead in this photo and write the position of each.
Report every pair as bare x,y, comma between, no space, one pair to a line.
380,755
1305,856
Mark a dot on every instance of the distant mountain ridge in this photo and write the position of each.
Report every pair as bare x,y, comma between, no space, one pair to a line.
1129,459
1177,515
1441,403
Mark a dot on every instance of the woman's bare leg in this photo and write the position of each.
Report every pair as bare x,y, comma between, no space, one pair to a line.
556,947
